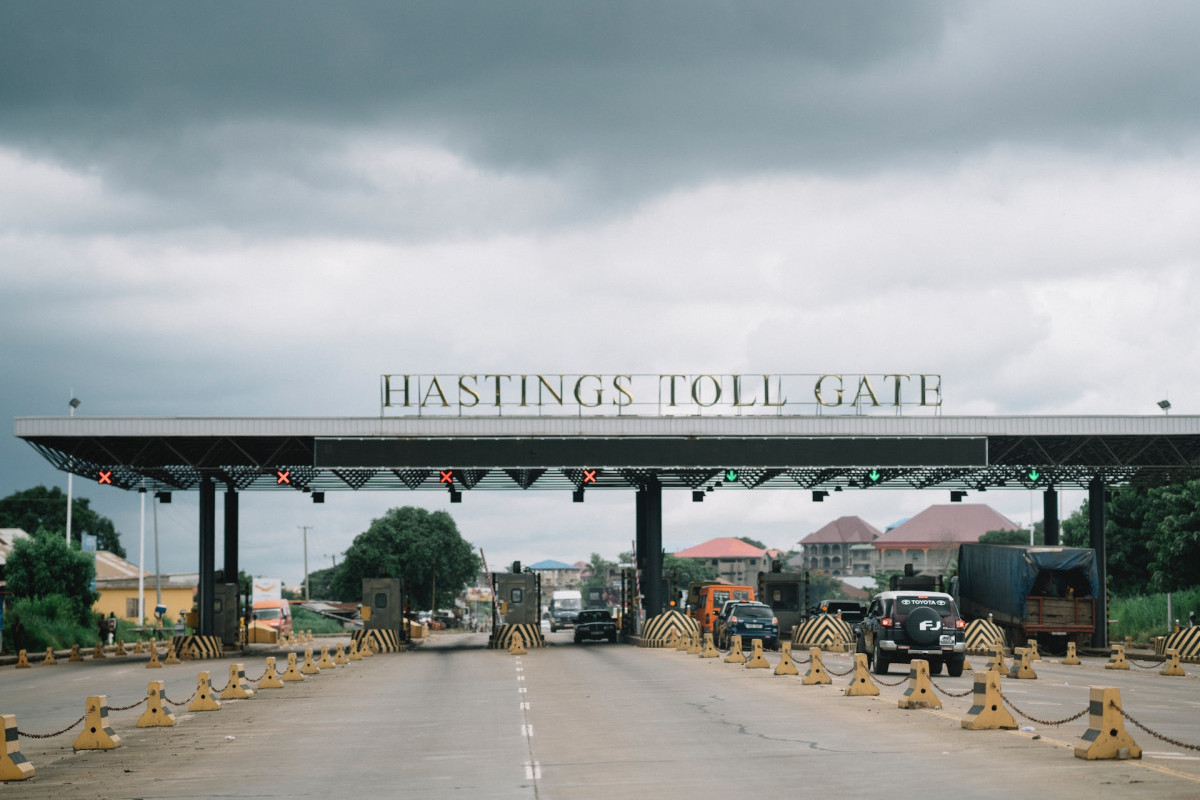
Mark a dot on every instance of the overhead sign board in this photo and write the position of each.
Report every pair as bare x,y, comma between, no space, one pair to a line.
666,394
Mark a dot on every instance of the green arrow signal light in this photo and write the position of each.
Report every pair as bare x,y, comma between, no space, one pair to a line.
874,475
1034,474
731,475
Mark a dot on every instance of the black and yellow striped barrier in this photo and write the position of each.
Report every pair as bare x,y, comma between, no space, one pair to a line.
382,640
1187,642
982,635
658,629
531,636
825,631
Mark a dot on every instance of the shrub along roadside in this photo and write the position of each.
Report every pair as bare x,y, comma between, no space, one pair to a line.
1142,617
305,620
35,623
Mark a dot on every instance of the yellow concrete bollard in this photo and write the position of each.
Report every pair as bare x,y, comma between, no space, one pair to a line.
121,651
270,678
98,653
204,696
1033,650
22,661
340,657
757,660
997,664
710,650
816,674
786,666
1116,659
1172,667
367,648
291,674
49,659
672,640
1021,668
516,645
987,710
967,666
325,662
138,649
308,636
694,648
861,684
156,714
354,655
236,688
153,663
96,734
736,656
1072,658
1106,736
75,656
309,667
683,641
13,765
919,693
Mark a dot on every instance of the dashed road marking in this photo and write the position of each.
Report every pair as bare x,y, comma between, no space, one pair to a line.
533,770
527,731
525,706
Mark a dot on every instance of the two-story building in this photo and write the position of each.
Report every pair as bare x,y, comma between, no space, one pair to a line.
842,547
735,561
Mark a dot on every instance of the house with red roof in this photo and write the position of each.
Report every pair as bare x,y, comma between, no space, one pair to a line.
842,547
735,561
929,541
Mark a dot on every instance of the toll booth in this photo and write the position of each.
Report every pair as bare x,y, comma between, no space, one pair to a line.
518,597
225,612
383,605
787,595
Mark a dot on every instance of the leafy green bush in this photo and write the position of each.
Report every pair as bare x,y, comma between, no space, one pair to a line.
305,620
49,621
1143,617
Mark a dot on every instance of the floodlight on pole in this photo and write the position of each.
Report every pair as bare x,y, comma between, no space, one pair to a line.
1165,405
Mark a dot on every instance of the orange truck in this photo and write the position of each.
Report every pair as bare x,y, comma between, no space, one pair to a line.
705,601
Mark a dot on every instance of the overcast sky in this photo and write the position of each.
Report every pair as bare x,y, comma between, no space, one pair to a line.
257,209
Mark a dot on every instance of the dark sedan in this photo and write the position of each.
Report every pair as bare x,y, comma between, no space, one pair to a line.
595,624
752,621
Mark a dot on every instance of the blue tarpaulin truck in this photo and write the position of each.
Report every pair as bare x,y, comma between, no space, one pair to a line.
1043,593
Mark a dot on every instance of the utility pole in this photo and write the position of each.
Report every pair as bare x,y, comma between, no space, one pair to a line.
305,528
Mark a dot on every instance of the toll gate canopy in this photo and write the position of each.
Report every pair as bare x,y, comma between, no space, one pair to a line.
459,455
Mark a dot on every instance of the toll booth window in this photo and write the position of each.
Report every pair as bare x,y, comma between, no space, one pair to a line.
515,594
785,598
381,599
218,605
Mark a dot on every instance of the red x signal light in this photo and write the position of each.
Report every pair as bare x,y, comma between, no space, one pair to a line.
105,477
589,475
447,476
283,476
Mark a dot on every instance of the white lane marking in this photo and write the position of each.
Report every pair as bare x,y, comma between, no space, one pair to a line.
527,731
525,706
519,669
520,677
533,770
521,690
1171,756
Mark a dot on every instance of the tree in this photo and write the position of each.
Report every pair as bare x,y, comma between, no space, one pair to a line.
1174,515
1008,536
753,542
687,570
423,549
320,584
43,565
598,569
1126,537
40,507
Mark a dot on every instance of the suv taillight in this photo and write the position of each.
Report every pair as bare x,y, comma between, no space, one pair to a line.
774,620
886,622
960,624
733,620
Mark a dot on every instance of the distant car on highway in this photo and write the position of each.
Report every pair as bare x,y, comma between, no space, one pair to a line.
852,611
750,621
903,625
595,624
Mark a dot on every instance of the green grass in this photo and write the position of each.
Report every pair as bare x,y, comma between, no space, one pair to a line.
305,620
1143,617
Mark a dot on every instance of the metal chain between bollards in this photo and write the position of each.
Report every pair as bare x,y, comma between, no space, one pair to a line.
948,693
259,678
796,660
838,674
182,702
1152,665
887,683
131,705
28,735
1166,739
1049,723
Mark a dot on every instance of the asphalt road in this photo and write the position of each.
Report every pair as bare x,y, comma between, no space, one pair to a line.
590,721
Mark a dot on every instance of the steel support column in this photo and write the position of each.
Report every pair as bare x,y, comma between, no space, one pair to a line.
1050,516
649,514
208,554
1096,529
231,535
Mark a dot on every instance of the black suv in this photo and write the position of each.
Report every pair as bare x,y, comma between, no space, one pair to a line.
903,625
595,624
